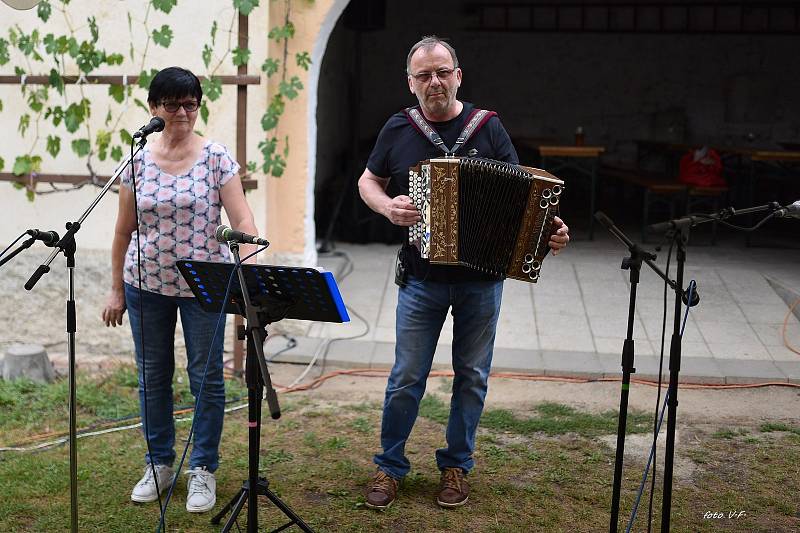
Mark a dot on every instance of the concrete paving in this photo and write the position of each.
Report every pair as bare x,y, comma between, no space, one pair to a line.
574,320
571,323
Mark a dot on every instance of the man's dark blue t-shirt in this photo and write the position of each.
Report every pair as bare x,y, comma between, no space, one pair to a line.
400,146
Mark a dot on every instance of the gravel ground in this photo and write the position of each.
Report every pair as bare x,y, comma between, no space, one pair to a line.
38,316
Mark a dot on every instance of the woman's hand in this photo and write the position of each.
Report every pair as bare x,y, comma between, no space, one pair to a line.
115,308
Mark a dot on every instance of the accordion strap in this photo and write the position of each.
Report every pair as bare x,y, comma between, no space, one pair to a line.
477,118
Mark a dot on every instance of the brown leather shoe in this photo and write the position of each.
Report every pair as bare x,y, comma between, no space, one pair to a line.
454,489
381,491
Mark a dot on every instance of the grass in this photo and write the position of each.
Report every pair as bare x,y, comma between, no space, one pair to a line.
772,426
28,408
536,470
548,418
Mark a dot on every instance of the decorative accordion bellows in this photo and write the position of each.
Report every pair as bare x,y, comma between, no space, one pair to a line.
492,216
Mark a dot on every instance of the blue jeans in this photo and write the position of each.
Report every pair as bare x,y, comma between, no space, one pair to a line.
160,316
421,311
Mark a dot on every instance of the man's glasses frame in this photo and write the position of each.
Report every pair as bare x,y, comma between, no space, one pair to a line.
441,74
189,107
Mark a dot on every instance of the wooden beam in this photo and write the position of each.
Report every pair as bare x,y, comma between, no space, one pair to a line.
241,156
247,183
118,80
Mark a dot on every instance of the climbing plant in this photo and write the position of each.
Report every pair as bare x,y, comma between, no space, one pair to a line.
56,115
288,89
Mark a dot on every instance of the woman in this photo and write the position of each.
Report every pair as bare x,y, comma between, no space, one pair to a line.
182,181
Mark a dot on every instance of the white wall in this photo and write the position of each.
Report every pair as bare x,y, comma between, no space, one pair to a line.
190,22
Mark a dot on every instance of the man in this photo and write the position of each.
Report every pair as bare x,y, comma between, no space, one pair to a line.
434,78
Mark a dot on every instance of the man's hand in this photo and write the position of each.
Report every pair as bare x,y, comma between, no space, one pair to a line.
115,308
560,238
401,211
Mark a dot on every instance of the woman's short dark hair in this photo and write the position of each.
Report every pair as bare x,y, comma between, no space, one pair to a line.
173,83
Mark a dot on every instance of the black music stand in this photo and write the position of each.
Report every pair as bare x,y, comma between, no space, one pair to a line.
273,293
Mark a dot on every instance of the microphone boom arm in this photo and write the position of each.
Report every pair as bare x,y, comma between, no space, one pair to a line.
774,208
646,258
73,227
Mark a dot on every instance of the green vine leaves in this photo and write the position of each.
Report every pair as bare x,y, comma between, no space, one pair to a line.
63,108
274,158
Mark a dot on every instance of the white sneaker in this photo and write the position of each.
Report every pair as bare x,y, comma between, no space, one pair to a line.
145,490
201,490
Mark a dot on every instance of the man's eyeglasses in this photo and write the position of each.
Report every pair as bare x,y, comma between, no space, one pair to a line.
442,74
172,107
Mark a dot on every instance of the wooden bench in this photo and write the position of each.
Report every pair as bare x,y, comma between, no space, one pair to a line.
657,189
709,198
661,189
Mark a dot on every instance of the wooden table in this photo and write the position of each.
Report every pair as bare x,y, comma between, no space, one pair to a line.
748,161
582,159
783,161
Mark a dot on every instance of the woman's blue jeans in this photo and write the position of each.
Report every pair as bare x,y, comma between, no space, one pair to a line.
160,316
421,311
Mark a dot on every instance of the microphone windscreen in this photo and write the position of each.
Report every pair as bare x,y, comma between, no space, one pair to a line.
220,233
603,219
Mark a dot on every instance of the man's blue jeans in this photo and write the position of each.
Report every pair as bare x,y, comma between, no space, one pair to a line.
160,316
421,311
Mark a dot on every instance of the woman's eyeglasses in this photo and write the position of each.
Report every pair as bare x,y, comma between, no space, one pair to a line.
425,77
172,107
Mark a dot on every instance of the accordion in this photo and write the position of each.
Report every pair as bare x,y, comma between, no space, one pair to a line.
492,216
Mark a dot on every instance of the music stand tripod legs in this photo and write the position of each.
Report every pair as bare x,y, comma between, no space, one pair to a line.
257,378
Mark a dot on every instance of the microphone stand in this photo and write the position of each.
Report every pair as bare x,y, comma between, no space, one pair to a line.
259,386
678,229
67,245
634,264
24,246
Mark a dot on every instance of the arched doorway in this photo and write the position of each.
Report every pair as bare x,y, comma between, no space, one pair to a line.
546,68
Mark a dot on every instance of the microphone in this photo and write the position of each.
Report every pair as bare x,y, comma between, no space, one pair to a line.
47,237
792,210
603,219
155,124
225,234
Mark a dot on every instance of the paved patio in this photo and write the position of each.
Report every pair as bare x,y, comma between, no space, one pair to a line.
573,322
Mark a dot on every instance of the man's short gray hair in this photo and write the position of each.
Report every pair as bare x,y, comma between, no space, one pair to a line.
428,42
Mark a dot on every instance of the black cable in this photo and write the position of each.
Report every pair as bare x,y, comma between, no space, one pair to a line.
656,424
651,457
162,505
13,243
348,266
346,271
145,418
202,384
197,399
328,346
707,217
291,342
